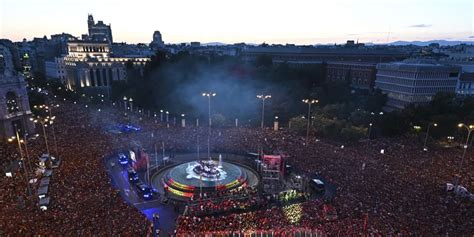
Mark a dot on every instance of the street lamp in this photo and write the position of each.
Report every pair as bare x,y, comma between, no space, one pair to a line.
309,102
427,133
161,115
52,118
125,102
131,104
209,95
370,129
17,138
263,98
44,123
183,121
469,128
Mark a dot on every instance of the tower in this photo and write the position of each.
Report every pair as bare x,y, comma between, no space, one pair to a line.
90,23
157,40
99,31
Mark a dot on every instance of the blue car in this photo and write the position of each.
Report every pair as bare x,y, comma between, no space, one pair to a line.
133,128
128,128
123,159
144,190
132,175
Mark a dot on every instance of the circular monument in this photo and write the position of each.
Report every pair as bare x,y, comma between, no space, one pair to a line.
190,178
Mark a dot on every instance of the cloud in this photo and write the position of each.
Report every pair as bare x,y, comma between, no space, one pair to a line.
420,26
471,37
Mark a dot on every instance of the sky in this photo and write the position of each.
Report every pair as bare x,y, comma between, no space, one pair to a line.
250,21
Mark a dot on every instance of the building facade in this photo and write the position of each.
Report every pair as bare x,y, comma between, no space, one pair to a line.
414,82
361,75
56,69
311,55
465,85
15,110
90,64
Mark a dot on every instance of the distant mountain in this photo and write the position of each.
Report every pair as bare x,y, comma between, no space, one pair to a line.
426,43
396,43
213,44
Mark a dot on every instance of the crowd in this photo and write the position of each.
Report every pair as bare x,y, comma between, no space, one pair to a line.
399,191
225,202
83,202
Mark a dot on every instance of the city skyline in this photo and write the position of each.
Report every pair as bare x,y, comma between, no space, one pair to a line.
305,22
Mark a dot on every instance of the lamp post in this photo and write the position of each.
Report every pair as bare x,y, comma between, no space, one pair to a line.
52,118
309,102
209,95
371,124
469,128
131,104
370,129
44,123
26,150
125,102
263,98
427,133
275,124
161,115
183,121
17,137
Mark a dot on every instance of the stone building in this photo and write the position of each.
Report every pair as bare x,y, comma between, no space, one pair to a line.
90,64
14,105
361,75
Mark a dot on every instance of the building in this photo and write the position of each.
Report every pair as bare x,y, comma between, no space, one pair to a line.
99,31
414,82
56,69
465,85
195,44
157,42
91,64
315,55
14,106
41,50
361,75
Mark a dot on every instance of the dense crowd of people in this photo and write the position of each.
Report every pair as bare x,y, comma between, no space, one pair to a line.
236,200
83,202
397,191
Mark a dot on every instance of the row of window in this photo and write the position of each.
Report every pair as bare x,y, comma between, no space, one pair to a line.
417,75
436,83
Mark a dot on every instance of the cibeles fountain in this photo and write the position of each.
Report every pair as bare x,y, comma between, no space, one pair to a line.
193,178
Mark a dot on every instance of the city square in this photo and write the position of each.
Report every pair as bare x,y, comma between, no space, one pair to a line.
365,137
